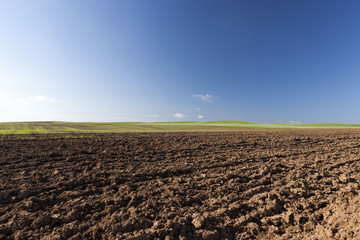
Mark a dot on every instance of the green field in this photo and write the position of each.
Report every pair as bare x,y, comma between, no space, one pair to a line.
114,127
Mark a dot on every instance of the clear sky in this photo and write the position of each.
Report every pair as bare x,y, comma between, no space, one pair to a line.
160,60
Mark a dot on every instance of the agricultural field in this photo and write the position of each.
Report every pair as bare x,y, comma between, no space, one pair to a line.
120,127
243,184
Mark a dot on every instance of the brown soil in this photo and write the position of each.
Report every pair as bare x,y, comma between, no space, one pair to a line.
229,185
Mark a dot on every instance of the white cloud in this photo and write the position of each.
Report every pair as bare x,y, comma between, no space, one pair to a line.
295,122
4,100
200,117
206,97
197,109
179,115
42,98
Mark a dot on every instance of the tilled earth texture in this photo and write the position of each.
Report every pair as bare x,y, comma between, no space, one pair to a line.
251,184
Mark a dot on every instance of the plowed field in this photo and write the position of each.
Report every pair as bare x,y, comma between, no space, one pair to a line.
258,184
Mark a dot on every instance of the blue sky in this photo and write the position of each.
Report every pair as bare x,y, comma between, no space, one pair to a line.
139,60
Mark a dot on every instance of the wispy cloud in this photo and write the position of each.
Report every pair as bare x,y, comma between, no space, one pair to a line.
179,115
200,117
7,100
204,97
41,98
295,122
4,100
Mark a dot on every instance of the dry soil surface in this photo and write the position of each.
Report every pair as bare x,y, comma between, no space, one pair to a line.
258,184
